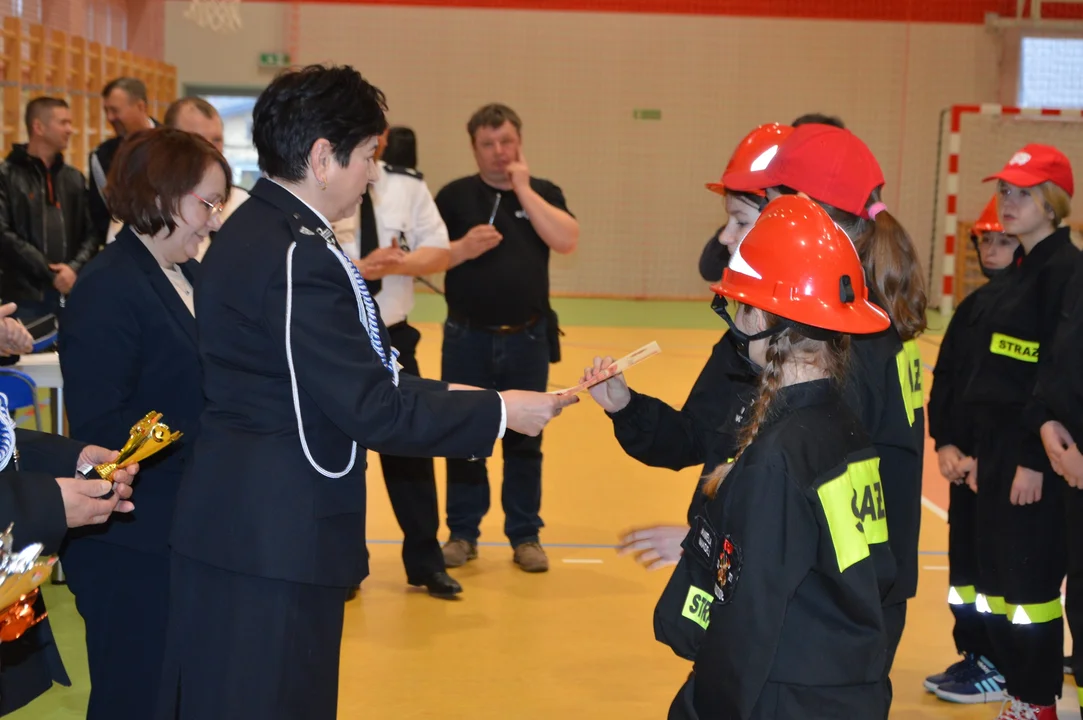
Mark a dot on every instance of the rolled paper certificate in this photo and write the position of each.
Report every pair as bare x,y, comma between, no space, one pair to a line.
147,437
647,351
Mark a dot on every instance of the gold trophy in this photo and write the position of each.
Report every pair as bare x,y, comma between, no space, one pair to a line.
20,575
147,437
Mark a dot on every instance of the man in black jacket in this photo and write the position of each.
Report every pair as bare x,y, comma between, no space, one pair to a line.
45,231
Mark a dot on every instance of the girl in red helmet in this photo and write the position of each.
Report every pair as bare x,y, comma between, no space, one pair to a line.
974,679
838,171
1021,524
703,432
778,588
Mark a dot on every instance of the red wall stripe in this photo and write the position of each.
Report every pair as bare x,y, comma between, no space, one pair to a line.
938,11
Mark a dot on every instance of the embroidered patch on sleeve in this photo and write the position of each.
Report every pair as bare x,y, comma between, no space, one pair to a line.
727,570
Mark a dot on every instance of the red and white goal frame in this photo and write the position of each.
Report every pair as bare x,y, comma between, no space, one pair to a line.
984,154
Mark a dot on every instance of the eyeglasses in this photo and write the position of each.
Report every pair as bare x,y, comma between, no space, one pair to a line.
215,208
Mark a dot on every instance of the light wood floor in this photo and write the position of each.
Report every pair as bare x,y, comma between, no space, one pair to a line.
576,642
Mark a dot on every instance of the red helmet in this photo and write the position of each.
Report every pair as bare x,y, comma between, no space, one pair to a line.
796,263
753,153
989,220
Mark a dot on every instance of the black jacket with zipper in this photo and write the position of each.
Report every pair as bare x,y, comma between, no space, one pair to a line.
44,220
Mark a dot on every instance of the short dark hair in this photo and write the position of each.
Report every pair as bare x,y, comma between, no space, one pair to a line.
401,147
153,171
133,86
301,106
205,108
818,119
40,108
493,116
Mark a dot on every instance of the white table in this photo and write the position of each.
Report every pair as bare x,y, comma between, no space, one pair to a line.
44,368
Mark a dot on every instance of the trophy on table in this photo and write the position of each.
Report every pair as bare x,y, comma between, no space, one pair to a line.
146,438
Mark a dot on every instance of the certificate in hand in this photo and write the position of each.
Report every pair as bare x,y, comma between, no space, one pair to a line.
643,353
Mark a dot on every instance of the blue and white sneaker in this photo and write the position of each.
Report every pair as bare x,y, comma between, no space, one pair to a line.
985,685
965,668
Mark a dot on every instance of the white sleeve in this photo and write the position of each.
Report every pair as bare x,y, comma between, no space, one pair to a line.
503,417
429,229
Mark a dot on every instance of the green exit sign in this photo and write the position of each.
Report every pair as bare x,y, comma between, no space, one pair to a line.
274,60
646,114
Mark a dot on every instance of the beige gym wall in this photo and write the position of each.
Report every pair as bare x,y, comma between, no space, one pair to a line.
636,186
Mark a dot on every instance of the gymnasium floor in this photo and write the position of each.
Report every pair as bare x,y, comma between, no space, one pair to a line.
576,642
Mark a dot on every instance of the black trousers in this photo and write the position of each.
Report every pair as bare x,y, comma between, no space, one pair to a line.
1073,601
970,632
894,623
240,646
1021,566
123,596
411,484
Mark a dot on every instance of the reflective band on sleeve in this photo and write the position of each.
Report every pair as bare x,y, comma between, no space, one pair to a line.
908,361
962,595
697,607
1079,691
990,604
836,497
1014,348
867,501
1034,614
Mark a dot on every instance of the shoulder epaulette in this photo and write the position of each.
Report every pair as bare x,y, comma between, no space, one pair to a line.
399,170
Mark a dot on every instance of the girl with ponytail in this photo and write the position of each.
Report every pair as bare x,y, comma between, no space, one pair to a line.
777,596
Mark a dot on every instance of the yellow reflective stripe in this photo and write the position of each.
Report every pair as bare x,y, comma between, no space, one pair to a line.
990,604
1035,613
1079,691
867,501
962,595
697,607
908,361
847,536
1014,348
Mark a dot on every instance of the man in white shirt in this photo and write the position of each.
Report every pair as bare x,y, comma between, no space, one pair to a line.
197,116
399,236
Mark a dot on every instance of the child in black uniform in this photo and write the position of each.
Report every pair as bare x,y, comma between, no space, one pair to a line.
1020,499
777,596
1058,412
974,679
703,432
837,170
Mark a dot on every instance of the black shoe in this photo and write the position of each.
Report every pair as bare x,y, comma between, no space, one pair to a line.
440,585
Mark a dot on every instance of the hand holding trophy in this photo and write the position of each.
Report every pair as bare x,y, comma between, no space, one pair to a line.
146,438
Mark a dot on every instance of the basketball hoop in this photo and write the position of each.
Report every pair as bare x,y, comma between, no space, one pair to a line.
220,16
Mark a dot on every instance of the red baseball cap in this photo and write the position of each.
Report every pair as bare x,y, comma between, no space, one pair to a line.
827,163
1036,164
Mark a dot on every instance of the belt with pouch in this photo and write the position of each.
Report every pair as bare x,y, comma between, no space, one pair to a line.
494,329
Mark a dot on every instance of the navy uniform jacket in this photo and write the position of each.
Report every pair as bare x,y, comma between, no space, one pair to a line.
785,570
128,346
1017,340
31,499
251,500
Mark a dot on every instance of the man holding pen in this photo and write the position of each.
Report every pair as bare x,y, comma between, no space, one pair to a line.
500,331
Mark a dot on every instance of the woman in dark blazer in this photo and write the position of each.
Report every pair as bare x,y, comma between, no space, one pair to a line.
300,379
127,347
